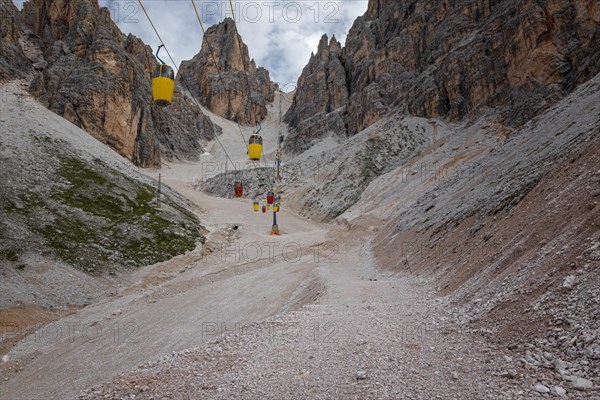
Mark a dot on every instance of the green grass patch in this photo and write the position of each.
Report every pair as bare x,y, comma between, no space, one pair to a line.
99,220
10,254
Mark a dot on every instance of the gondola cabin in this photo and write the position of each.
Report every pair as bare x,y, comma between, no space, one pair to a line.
163,85
276,208
238,189
270,198
256,206
264,209
255,147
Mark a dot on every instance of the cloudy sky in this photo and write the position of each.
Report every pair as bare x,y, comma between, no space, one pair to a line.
280,34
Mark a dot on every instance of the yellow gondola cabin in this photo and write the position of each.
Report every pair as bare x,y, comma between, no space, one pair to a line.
163,85
255,147
163,82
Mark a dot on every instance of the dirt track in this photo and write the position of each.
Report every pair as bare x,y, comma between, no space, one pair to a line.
370,334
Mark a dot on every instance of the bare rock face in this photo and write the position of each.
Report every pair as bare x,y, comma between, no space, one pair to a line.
322,85
13,62
99,79
321,89
453,60
310,131
319,104
231,59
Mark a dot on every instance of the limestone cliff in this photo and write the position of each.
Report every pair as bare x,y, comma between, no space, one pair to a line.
449,60
13,63
322,85
201,75
319,103
93,75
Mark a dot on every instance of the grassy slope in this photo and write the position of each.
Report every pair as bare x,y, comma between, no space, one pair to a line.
88,215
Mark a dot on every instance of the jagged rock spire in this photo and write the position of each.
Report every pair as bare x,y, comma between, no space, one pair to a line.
232,59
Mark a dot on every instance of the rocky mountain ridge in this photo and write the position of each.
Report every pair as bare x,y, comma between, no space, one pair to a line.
85,69
509,59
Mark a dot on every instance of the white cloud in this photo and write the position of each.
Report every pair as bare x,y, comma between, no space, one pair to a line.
280,34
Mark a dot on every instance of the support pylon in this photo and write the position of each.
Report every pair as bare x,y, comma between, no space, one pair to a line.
275,230
275,227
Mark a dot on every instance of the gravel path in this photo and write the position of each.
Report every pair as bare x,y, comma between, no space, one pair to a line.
370,335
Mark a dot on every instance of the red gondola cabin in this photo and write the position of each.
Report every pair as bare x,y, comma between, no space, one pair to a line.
239,189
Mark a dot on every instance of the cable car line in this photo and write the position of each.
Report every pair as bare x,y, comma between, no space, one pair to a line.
238,183
212,54
192,97
243,65
229,102
252,108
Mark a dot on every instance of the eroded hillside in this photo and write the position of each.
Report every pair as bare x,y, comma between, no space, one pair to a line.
71,204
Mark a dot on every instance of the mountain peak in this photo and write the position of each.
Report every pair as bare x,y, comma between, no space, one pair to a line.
221,44
324,41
